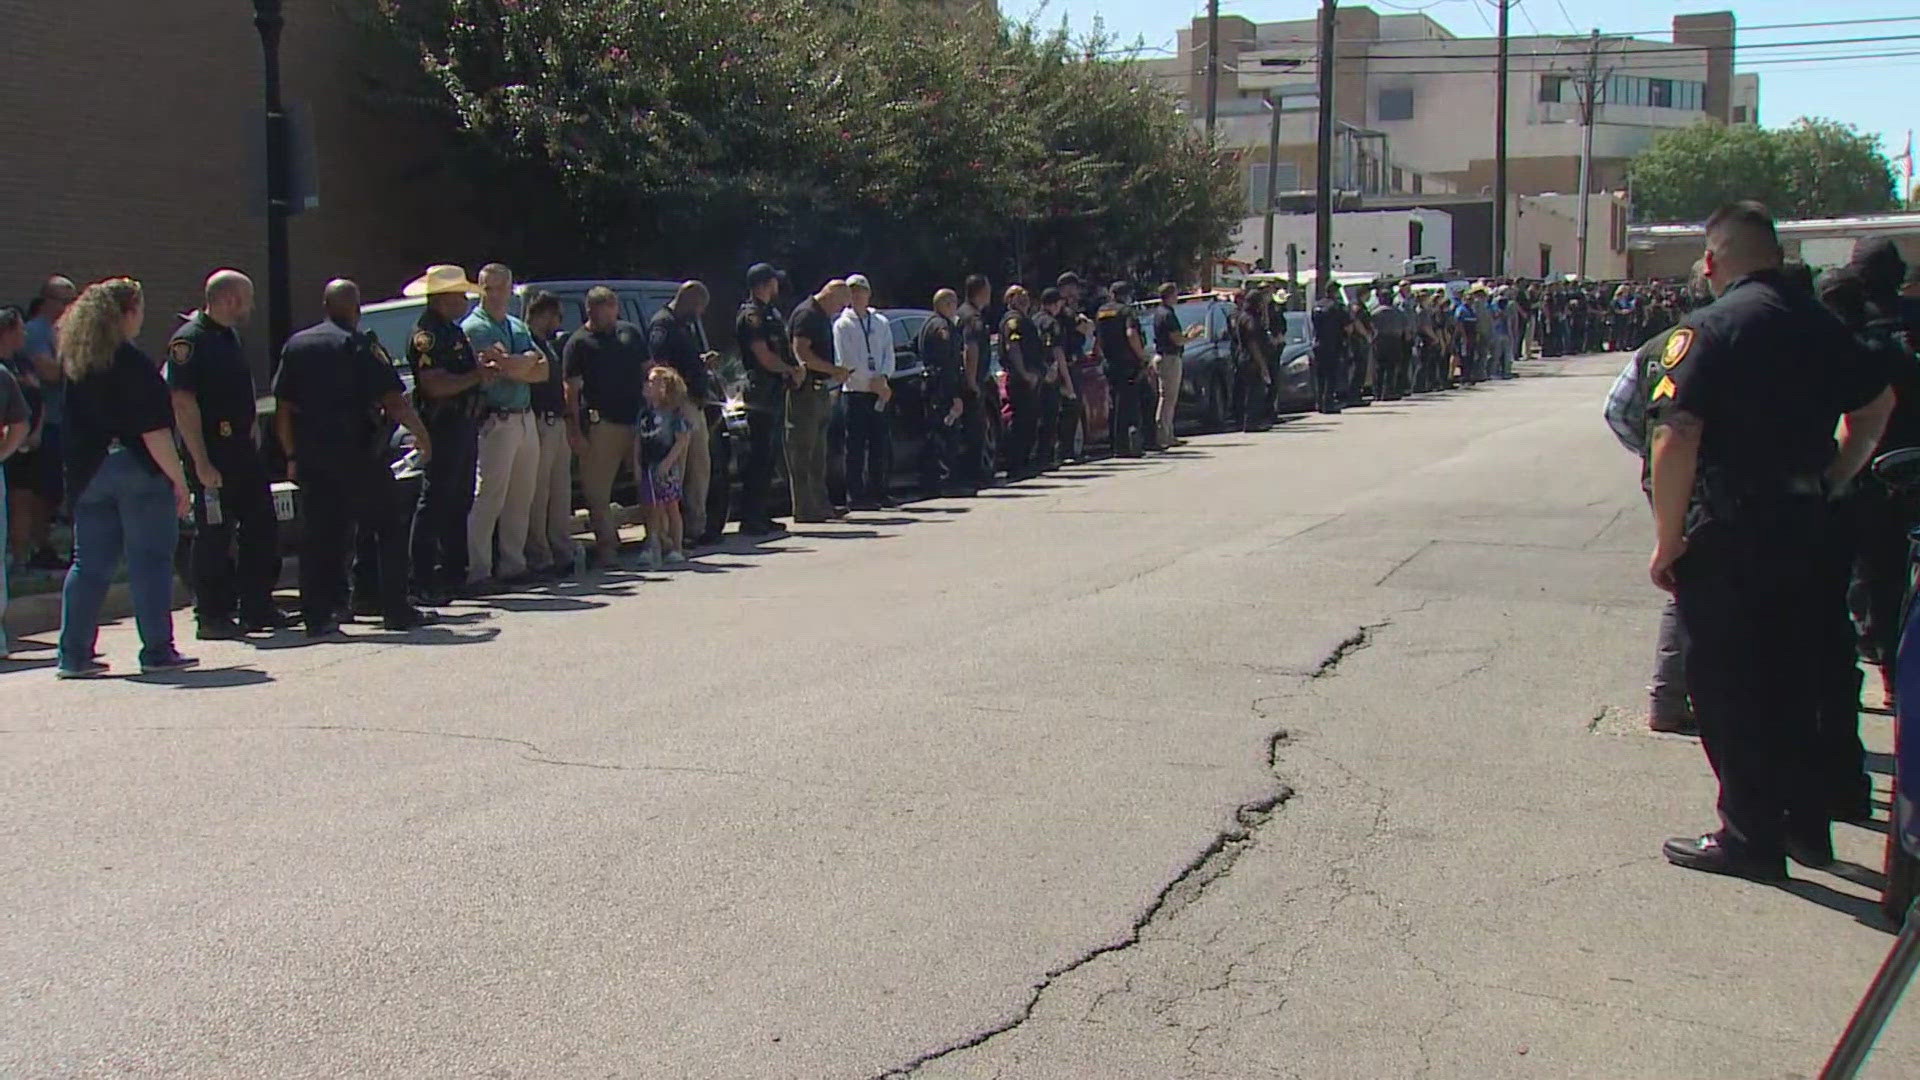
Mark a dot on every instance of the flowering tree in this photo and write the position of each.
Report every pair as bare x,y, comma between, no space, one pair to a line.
872,135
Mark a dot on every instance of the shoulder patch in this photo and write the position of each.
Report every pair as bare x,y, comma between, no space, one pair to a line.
422,341
180,350
753,318
1677,347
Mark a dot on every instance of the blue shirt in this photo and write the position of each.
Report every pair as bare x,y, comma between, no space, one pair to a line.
40,341
512,335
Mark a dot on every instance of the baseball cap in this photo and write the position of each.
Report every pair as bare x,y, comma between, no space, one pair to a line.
761,273
1066,279
859,281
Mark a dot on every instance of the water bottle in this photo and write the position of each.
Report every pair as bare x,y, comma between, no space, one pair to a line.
210,505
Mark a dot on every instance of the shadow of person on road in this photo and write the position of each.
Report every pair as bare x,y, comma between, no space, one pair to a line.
425,635
1864,911
218,678
545,603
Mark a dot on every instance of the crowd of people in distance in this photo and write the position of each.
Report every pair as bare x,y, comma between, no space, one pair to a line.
500,409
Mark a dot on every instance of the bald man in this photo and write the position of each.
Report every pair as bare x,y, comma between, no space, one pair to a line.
236,558
810,405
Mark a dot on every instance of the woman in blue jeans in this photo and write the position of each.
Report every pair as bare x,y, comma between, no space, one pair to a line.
124,477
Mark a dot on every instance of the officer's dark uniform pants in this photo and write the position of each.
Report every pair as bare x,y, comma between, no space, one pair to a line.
354,500
1391,365
237,562
982,420
764,429
1750,599
1046,428
1022,426
1841,778
1149,412
1129,419
942,442
1878,591
1329,377
446,497
869,446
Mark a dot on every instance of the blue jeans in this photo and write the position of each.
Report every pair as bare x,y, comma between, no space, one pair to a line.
125,509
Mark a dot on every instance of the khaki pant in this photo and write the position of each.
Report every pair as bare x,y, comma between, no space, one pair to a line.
1169,367
509,466
699,472
550,525
609,446
809,409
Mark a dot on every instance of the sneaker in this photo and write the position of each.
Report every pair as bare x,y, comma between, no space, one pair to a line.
93,669
412,620
650,558
675,557
173,661
218,630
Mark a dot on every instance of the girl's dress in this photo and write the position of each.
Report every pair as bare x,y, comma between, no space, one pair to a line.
659,429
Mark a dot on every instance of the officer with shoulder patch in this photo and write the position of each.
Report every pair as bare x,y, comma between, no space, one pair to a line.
1125,355
761,332
939,348
337,396
447,378
1022,357
983,395
236,558
1743,460
1331,329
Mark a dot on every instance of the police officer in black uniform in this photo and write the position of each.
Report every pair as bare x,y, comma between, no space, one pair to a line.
1743,461
337,397
1123,353
1024,357
939,348
236,558
761,332
979,453
1332,326
1055,386
446,390
1253,369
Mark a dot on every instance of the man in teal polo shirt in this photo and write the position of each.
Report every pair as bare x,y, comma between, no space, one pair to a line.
509,437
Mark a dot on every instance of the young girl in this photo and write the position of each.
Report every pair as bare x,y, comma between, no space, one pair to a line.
664,433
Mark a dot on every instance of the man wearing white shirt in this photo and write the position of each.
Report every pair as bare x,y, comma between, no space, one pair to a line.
863,343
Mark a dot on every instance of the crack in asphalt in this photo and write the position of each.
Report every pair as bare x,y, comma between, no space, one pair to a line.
1212,863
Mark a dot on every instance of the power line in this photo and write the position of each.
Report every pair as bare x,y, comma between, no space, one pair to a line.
1628,68
1663,48
1638,34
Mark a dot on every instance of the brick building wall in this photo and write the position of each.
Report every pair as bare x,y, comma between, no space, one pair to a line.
136,151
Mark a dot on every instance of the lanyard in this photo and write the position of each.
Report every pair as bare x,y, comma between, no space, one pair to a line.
866,336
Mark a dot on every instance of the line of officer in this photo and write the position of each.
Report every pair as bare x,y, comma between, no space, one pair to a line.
337,398
761,333
1331,326
1056,386
983,401
447,381
1253,371
1743,460
236,560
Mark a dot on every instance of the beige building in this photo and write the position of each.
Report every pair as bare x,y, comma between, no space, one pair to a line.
1669,250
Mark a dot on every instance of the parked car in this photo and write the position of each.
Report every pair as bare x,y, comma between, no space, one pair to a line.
1207,366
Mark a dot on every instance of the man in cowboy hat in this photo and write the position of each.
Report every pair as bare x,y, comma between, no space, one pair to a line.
447,378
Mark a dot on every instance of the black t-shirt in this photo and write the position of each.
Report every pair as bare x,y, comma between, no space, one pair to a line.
612,366
1330,323
1741,367
548,398
1110,326
1020,347
1250,336
758,322
204,359
810,322
973,331
117,403
673,341
1166,331
335,377
939,347
440,344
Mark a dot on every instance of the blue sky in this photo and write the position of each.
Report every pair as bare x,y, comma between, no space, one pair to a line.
1876,94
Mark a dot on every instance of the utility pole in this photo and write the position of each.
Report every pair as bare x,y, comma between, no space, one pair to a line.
1213,64
1500,150
1273,177
1592,83
268,20
1323,163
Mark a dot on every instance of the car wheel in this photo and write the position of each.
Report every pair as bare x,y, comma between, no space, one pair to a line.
1218,395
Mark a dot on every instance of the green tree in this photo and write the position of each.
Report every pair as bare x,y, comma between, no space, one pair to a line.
1815,168
699,135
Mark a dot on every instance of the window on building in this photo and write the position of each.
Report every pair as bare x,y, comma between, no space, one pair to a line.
1555,88
1419,183
1546,260
1399,179
1416,236
1739,114
1285,180
1660,93
1396,104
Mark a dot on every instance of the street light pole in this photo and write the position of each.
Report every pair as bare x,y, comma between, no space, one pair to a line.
1323,208
1273,177
1589,100
1213,64
1500,151
268,20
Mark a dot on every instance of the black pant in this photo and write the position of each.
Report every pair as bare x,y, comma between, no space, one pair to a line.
938,451
1330,377
1129,420
1046,430
869,446
764,427
1149,413
351,502
1840,772
1879,587
1750,600
1025,421
720,469
1250,397
237,562
446,498
978,454
1393,366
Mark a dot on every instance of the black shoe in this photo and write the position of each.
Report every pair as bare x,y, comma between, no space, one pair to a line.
865,505
1853,809
758,529
478,590
837,513
366,607
888,502
1709,855
1814,853
412,620
264,622
325,627
707,539
956,491
219,630
427,595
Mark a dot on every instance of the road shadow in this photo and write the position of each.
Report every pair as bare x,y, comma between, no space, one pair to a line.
17,664
883,522
1864,911
544,603
219,678
426,635
921,508
844,534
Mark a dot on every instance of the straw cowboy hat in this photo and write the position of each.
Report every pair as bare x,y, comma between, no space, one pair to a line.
441,279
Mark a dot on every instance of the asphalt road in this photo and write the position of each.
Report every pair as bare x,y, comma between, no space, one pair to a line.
1315,753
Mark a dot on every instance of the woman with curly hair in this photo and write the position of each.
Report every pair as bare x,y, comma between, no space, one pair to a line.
123,474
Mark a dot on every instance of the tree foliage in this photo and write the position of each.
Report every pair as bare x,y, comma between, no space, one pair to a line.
1814,168
869,134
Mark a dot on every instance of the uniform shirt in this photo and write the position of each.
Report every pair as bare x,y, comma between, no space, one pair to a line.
672,341
612,368
939,348
118,403
549,398
1626,410
1072,341
1048,327
1110,326
864,344
1389,318
1020,345
204,359
1330,322
335,378
810,322
1769,372
1250,337
1166,331
973,331
441,345
758,322
483,332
